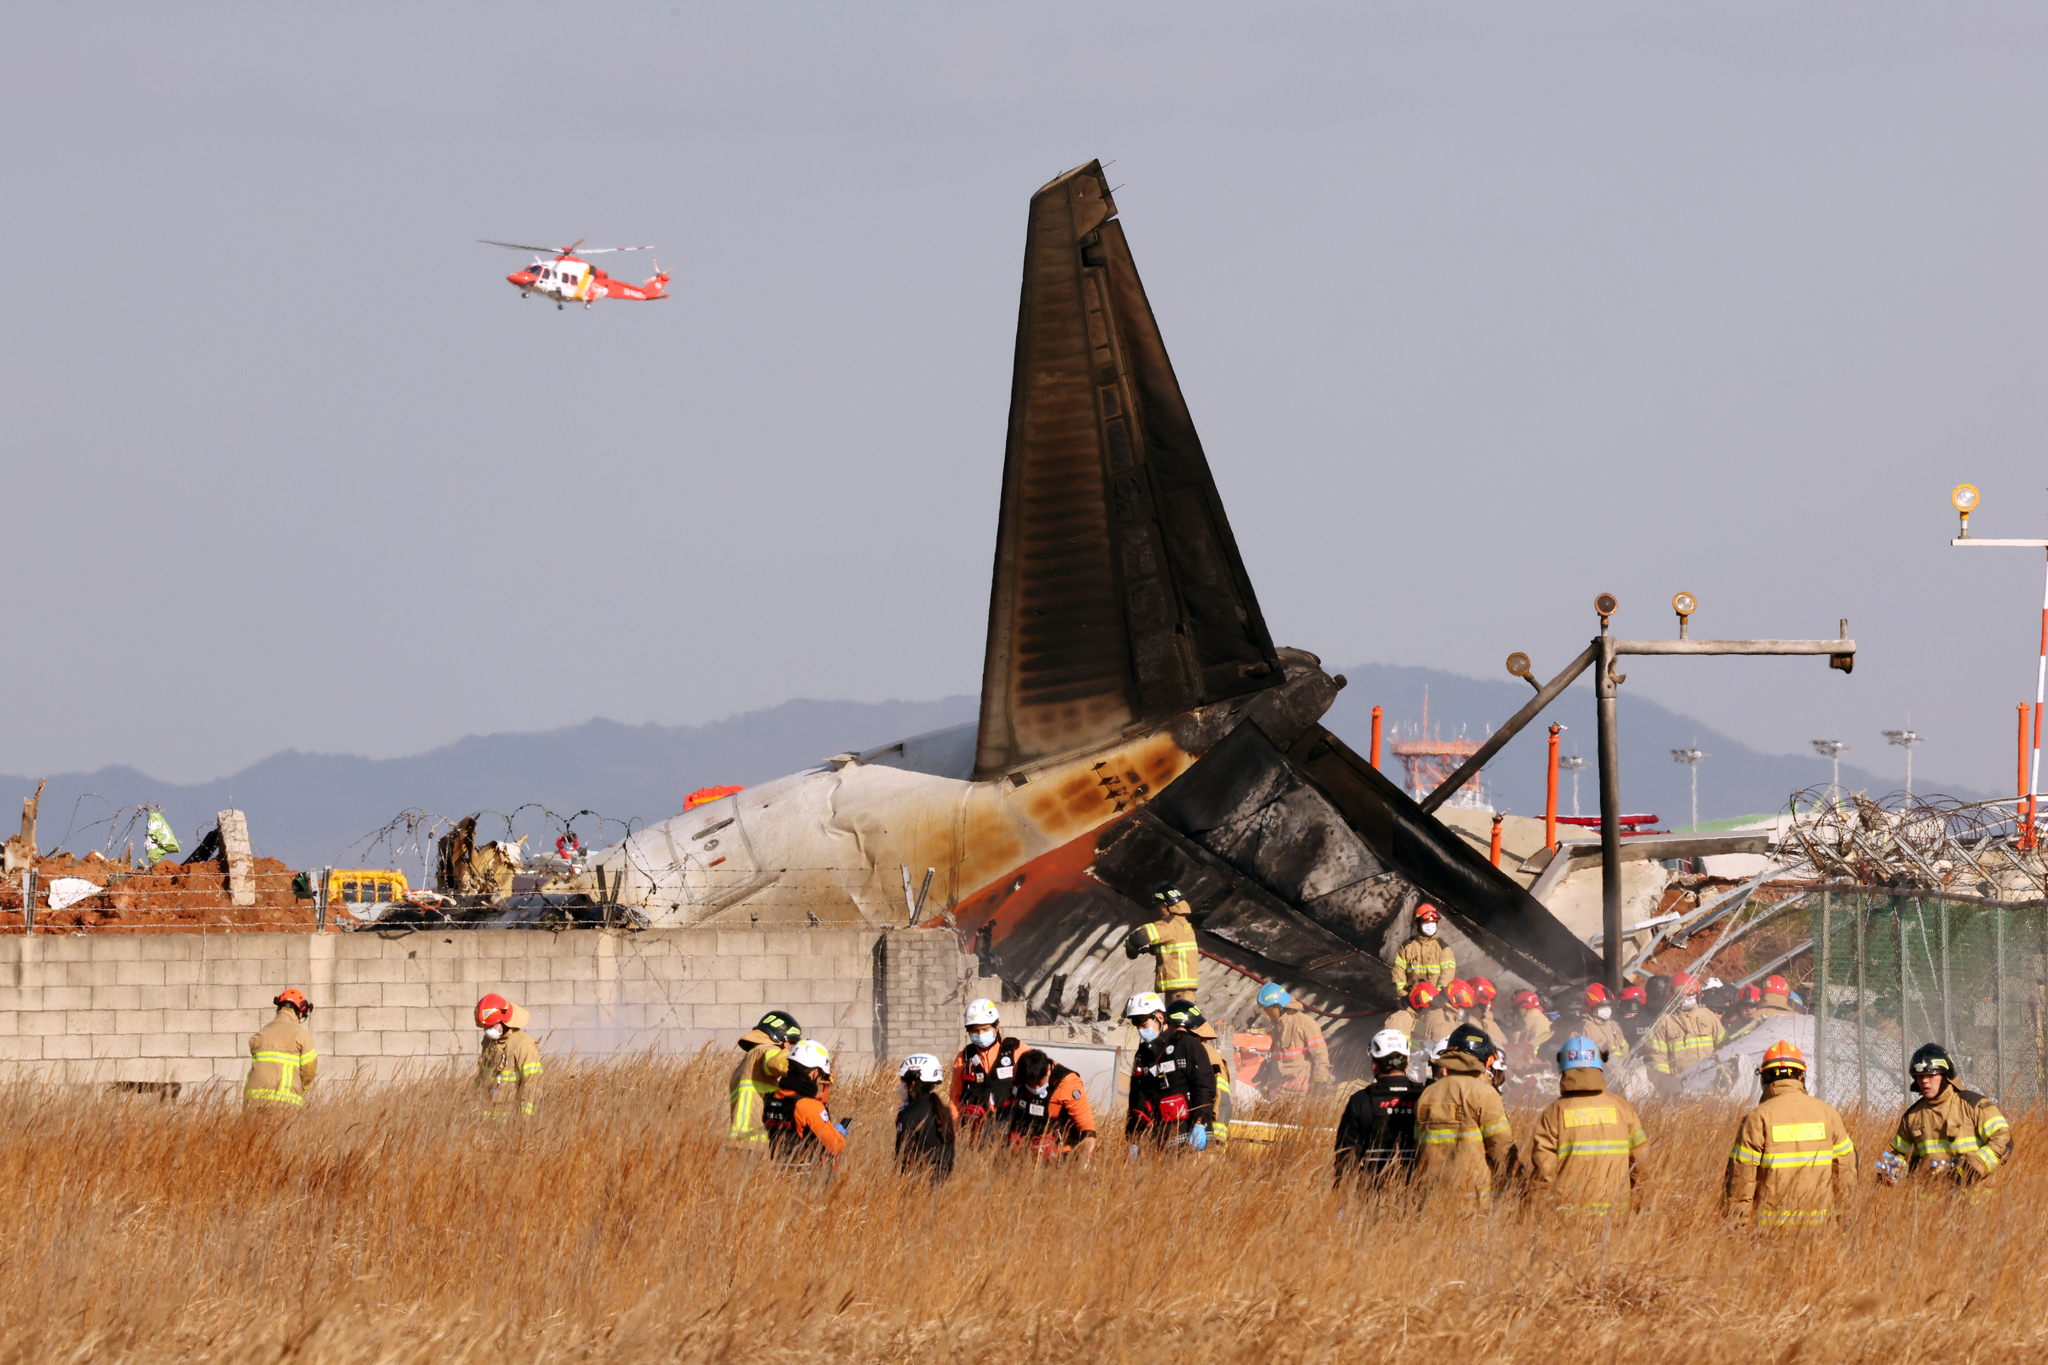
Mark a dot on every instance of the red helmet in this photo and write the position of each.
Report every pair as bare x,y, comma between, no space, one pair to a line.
1528,1000
1484,989
493,1010
1460,995
1596,994
1683,984
1425,911
1635,993
1420,997
293,996
1775,985
1750,995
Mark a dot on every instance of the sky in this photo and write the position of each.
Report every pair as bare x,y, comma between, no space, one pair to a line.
1480,311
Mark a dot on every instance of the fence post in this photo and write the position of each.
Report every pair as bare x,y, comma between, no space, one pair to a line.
1862,1009
1905,1014
1998,1002
1948,1021
1820,1004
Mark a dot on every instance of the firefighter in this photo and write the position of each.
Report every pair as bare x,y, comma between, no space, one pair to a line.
800,1128
1173,1091
1774,999
1636,1015
1171,941
282,1056
1376,1135
1484,993
1462,1135
1586,1155
925,1126
1443,1013
508,1069
1299,1054
764,1056
1596,1021
1532,1025
1407,1020
1684,1037
1793,1164
1050,1117
1425,957
1948,1134
985,1071
1188,1015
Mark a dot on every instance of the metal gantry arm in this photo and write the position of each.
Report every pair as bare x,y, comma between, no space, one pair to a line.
1545,695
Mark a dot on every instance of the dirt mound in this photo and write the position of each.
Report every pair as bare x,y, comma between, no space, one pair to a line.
169,897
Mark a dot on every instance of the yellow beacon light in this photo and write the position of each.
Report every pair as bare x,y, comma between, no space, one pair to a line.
1964,500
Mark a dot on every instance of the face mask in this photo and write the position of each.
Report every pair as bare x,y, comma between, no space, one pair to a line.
1148,1033
1041,1091
495,1032
1429,928
1604,1012
902,1094
985,1038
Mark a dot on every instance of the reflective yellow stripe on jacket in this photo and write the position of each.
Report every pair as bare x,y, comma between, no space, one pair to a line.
287,1064
1176,960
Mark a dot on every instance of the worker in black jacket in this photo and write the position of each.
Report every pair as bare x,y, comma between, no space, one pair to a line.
1376,1136
1173,1084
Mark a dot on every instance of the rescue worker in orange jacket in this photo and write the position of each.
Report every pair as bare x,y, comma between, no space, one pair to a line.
1586,1155
1532,1025
1948,1134
984,1071
1049,1116
1596,1021
1173,1090
508,1068
1300,1056
282,1056
801,1130
1793,1164
1462,1136
1684,1037
1188,1015
1176,969
1425,957
764,1056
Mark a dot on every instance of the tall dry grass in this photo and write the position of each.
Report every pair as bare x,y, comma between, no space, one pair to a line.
389,1225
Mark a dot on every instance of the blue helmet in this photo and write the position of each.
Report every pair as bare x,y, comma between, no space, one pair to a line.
1579,1052
1272,994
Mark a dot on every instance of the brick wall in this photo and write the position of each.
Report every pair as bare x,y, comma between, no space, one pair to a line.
180,1007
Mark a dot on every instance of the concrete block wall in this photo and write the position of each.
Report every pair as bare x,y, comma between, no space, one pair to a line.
926,982
180,1007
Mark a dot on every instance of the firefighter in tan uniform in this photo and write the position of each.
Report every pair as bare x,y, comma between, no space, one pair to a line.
1949,1134
1407,1021
1300,1056
1793,1164
1532,1025
1587,1151
1462,1136
1171,940
1775,1000
1424,957
1684,1037
1484,993
1189,1016
1442,1014
282,1057
508,1069
764,1058
1596,1021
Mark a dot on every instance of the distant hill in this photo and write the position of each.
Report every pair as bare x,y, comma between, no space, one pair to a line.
314,809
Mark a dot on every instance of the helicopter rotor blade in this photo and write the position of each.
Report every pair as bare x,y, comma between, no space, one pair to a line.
601,250
543,250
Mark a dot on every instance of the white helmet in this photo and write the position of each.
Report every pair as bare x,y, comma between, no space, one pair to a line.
809,1053
981,1012
924,1067
1389,1042
1144,1004
1438,1048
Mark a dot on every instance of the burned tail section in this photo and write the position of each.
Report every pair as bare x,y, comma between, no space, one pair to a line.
1119,597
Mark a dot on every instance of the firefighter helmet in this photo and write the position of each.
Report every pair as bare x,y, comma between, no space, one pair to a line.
1420,996
1426,913
1471,1039
1169,899
780,1028
1635,993
1580,1052
1484,989
1144,1005
1783,1057
1185,1014
1272,994
980,1012
1749,995
811,1053
1933,1059
1596,994
1460,995
296,998
1776,985
1528,1000
1389,1042
922,1066
1682,983
492,1011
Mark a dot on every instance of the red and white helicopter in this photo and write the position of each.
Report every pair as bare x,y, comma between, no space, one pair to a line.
565,279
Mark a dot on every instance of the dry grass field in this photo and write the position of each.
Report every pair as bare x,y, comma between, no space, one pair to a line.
389,1225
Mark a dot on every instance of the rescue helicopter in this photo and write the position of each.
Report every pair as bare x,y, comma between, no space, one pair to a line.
557,273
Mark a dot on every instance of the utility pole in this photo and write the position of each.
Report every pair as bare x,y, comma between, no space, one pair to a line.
1571,764
1965,501
1906,739
1832,748
1691,759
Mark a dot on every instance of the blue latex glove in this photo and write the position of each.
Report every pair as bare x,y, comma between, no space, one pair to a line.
1134,1151
1198,1137
839,1128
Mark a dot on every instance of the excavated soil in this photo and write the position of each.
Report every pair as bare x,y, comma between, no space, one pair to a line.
171,897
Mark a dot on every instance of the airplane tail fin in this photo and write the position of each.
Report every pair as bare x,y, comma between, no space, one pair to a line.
1119,596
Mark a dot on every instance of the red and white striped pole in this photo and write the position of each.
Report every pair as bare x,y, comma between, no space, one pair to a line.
1965,501
2040,696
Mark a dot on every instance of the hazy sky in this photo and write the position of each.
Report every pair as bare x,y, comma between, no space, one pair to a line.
1480,309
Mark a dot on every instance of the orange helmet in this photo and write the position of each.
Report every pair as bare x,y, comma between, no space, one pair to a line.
1460,995
1420,997
1484,989
296,998
493,1010
1775,985
1596,994
1783,1055
1683,984
1528,1000
1425,911
1635,993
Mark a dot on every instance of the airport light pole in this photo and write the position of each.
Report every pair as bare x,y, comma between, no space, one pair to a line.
1906,739
1832,748
1691,759
1965,500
